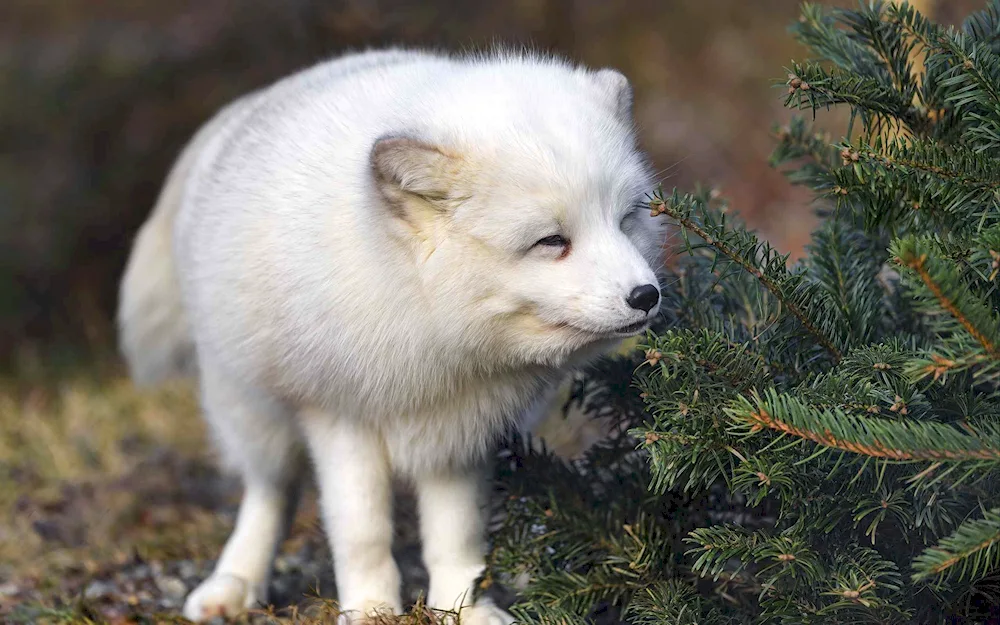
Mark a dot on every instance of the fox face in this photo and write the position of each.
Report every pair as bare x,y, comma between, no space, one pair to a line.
531,239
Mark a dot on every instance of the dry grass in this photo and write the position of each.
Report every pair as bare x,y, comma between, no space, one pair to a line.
85,433
316,611
319,611
92,473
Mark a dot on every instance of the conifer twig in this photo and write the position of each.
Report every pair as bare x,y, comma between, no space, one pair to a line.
798,313
869,436
918,264
975,545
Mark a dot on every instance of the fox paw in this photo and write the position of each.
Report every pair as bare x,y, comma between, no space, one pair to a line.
485,612
220,595
370,612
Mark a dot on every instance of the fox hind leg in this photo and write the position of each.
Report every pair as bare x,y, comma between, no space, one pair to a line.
258,437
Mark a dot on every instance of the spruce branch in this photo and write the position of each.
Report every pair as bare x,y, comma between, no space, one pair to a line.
968,70
942,280
845,264
813,152
760,476
756,258
913,183
883,34
779,562
921,30
970,551
670,603
940,363
949,164
984,257
862,581
882,505
975,69
869,98
984,26
719,545
898,440
821,31
713,352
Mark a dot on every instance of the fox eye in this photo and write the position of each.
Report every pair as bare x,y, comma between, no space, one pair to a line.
555,240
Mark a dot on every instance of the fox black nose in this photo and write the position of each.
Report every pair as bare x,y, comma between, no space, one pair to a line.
644,297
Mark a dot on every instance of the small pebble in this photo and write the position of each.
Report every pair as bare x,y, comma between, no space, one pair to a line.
172,587
98,590
9,589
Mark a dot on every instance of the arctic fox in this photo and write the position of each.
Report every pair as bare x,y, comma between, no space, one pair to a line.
383,263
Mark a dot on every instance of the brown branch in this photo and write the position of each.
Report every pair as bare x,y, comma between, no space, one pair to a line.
955,559
917,264
875,449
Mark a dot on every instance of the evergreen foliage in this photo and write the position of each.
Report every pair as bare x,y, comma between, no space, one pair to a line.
817,442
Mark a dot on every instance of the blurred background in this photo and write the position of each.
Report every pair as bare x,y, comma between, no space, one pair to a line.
96,99
97,96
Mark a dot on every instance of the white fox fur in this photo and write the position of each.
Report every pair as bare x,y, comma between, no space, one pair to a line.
362,264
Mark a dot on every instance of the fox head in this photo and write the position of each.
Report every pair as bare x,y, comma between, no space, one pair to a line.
528,227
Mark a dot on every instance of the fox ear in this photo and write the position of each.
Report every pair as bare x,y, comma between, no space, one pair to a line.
403,165
618,90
